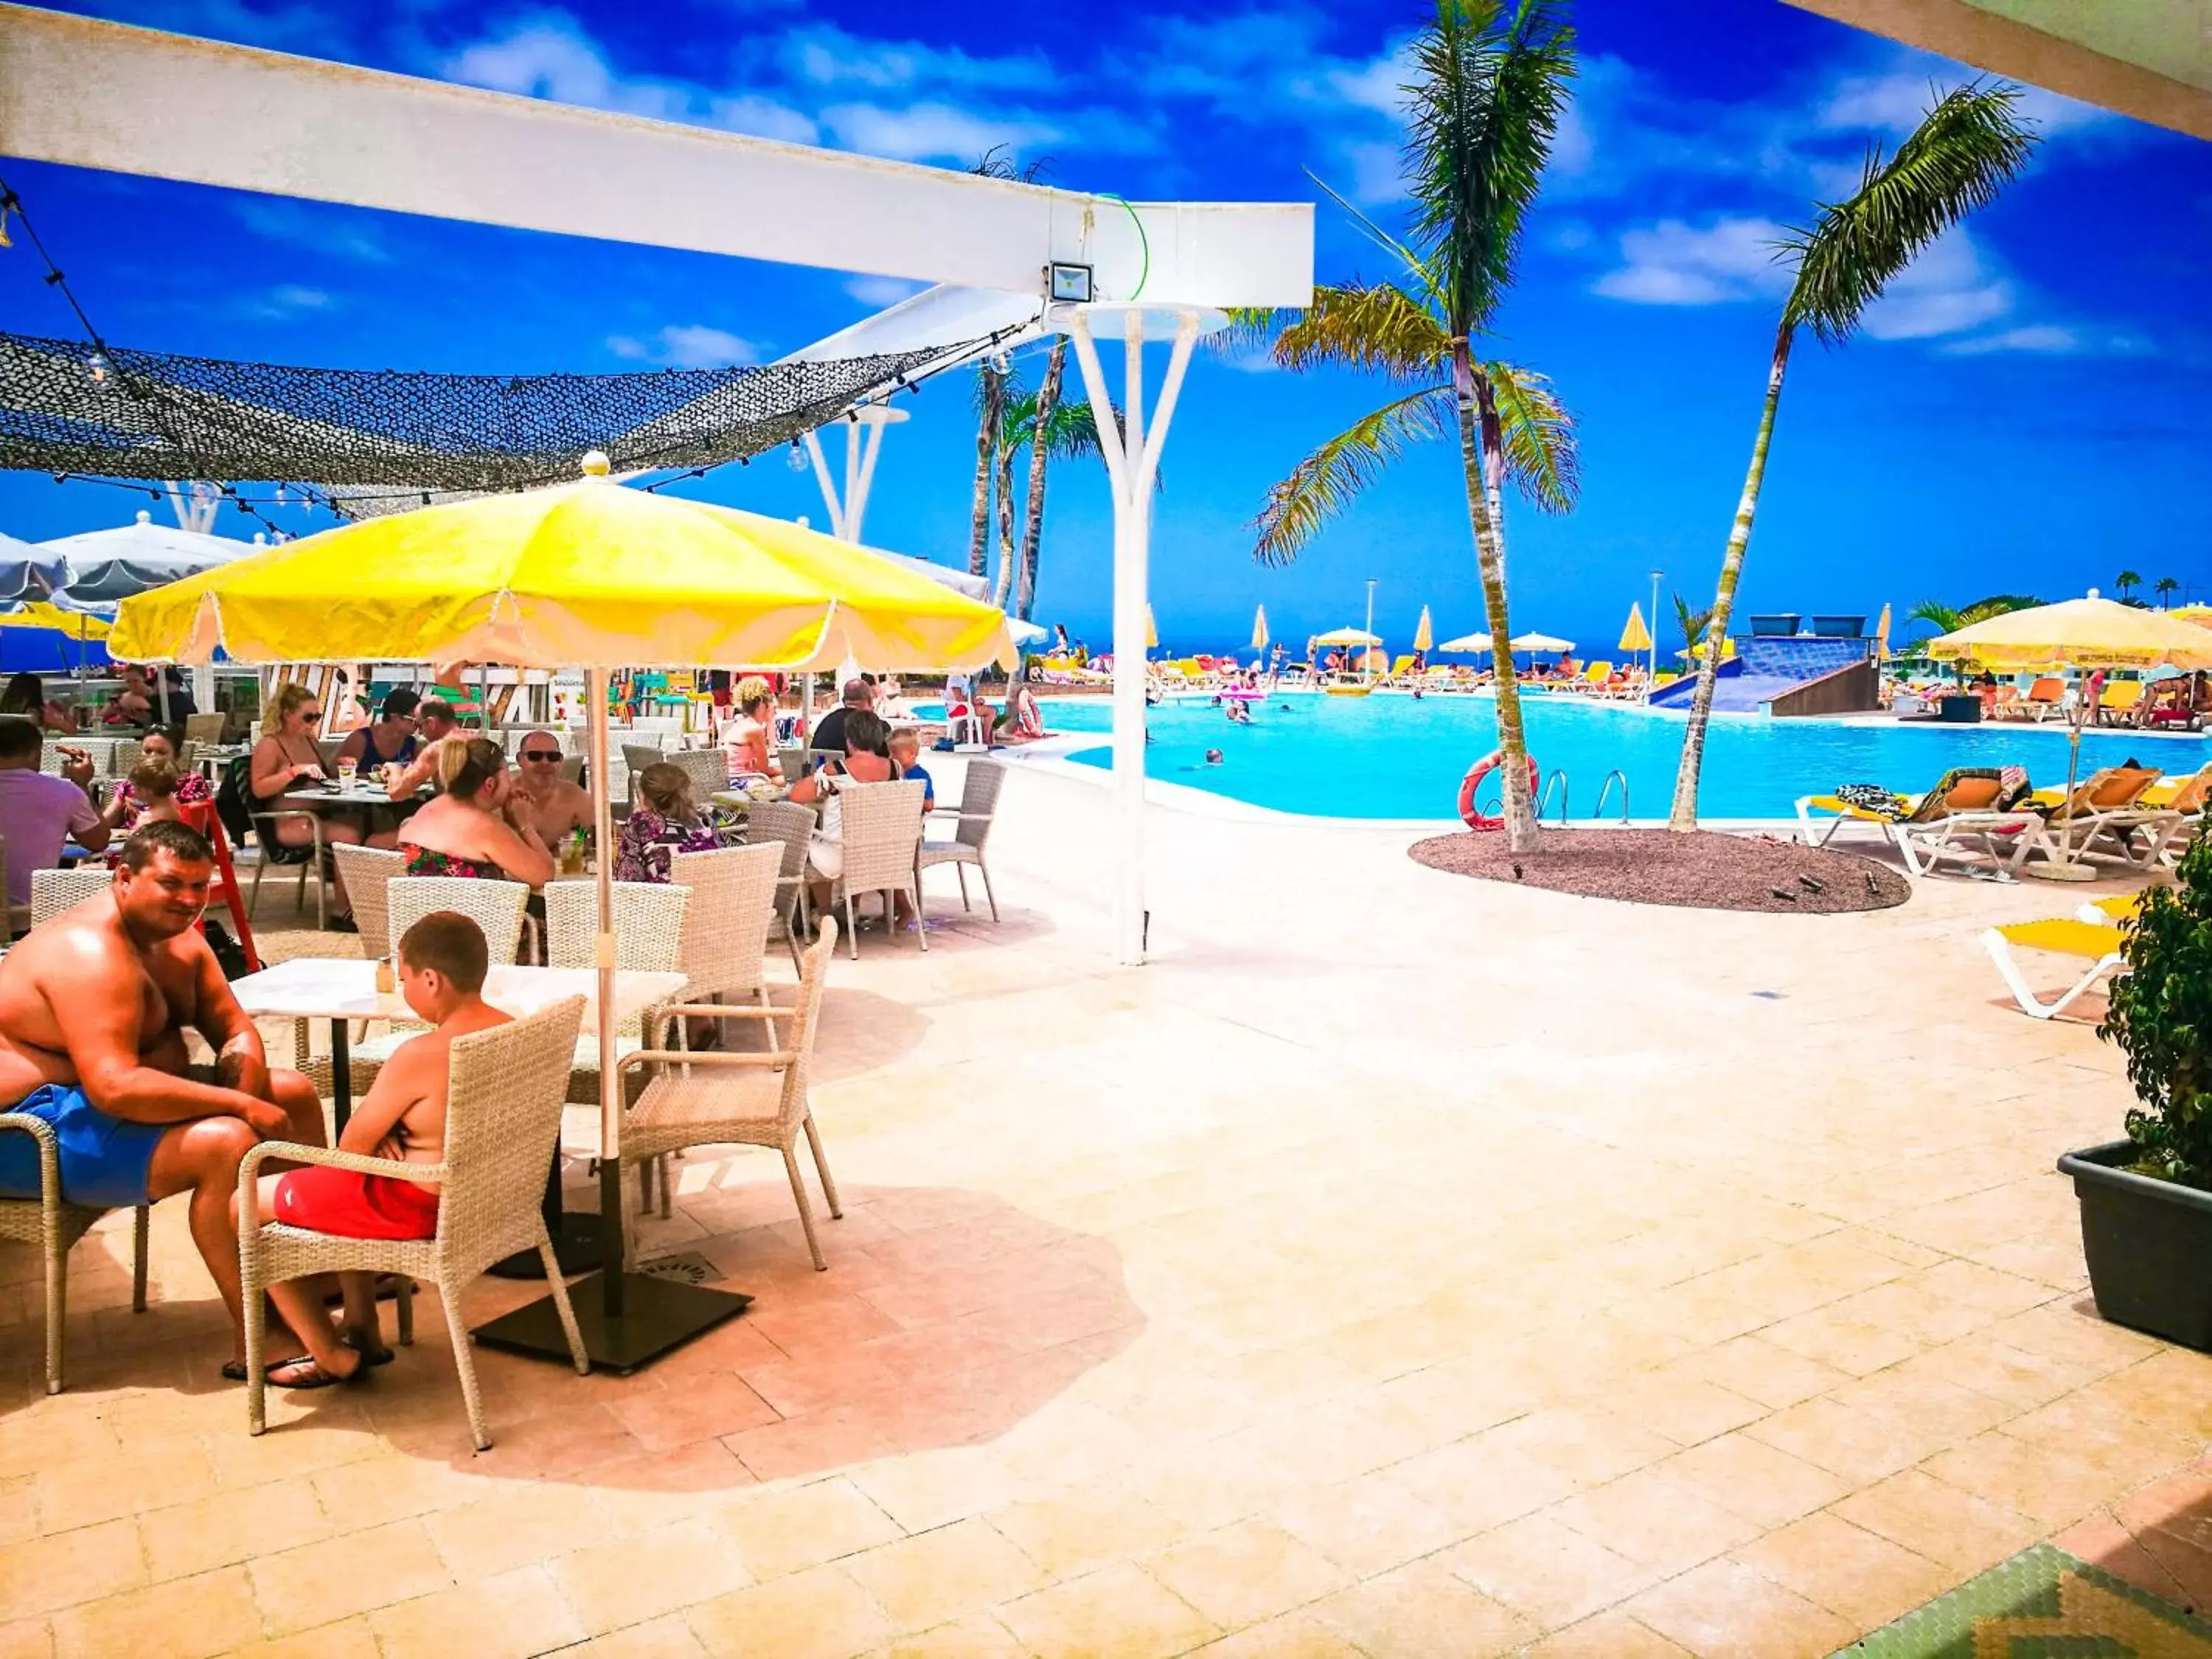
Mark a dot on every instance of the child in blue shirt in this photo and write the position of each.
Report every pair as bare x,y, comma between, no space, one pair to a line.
906,751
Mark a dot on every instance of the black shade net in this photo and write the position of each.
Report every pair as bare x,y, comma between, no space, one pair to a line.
375,437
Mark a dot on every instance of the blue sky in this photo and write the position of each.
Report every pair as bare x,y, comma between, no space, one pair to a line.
2024,413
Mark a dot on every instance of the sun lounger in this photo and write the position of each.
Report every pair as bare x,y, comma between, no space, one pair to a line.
2116,704
2107,806
2045,698
1958,820
2096,943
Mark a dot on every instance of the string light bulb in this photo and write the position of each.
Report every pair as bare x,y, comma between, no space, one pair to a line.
96,366
797,461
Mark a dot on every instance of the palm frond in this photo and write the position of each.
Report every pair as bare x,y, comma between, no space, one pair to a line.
1324,483
1374,328
1996,605
1943,618
1543,459
1968,148
1486,103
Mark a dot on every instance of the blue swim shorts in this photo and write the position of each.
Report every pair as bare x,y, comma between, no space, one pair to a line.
104,1159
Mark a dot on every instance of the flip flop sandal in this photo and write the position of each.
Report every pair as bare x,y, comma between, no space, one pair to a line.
316,1377
372,1354
233,1371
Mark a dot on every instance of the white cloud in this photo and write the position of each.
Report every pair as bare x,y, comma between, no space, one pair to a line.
1894,102
2047,338
287,301
1675,264
686,345
881,291
827,56
1377,172
328,230
930,132
1953,287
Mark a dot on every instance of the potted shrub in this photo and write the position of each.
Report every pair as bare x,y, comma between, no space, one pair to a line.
2146,1200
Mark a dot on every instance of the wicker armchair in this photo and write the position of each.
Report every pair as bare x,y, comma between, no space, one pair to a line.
979,806
733,898
740,1099
204,729
636,757
793,826
52,1224
53,891
366,872
880,824
649,921
502,1118
708,769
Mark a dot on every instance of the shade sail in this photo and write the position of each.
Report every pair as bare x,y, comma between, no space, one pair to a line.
2086,633
584,574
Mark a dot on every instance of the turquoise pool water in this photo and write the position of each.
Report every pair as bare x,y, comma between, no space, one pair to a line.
1394,757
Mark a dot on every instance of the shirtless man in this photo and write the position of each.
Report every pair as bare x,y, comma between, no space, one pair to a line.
93,1007
434,722
556,806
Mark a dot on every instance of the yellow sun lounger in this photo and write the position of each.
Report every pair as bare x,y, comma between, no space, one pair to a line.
2097,943
1970,829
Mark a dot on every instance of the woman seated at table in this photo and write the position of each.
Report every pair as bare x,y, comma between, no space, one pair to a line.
666,819
389,740
26,695
867,760
126,802
134,704
285,760
475,826
747,743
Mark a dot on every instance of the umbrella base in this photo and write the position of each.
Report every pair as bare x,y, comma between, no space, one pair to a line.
658,1317
2061,872
576,1247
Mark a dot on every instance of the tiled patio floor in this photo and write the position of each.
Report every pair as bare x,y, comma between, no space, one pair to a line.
1400,1265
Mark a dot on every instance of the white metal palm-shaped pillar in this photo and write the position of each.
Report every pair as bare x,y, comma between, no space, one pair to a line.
1131,448
863,437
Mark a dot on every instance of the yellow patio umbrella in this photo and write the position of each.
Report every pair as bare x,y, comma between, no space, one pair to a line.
2199,614
588,574
2086,633
1635,636
1151,633
1424,637
1882,637
1260,629
43,613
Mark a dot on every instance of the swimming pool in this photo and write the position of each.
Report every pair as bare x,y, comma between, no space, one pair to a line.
1394,757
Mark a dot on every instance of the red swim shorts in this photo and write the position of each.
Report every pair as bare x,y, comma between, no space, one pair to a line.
355,1206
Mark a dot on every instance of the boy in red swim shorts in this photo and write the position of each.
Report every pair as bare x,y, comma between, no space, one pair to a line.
443,963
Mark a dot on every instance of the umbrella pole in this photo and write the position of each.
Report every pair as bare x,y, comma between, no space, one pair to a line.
628,1320
2063,866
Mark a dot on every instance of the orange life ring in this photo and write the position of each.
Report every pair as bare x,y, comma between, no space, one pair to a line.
1467,785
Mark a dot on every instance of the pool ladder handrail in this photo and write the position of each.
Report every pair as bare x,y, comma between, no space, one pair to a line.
1605,789
1558,775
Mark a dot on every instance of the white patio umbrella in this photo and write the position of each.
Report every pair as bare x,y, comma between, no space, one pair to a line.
1477,643
1540,642
108,565
29,573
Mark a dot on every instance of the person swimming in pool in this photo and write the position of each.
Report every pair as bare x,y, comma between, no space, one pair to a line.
1237,712
1213,757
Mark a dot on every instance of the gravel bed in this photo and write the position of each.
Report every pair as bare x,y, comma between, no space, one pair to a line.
1703,871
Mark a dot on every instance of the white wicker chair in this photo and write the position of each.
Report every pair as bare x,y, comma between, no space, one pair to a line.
636,757
649,921
52,1224
792,825
366,872
880,824
204,729
740,1099
53,891
708,769
502,1119
733,898
979,806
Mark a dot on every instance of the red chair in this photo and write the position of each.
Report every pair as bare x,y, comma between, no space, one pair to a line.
201,815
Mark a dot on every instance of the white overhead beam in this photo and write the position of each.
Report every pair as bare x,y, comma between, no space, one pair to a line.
85,93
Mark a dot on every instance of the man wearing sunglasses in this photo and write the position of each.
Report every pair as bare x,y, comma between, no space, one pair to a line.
556,806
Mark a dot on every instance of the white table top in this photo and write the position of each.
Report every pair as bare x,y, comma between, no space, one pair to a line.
345,987
367,794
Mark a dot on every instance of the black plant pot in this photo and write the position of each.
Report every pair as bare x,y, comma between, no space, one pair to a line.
2147,1241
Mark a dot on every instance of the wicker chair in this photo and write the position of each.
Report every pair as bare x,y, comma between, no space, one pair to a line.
880,824
52,1224
709,770
313,858
636,757
502,1118
979,806
53,891
740,1099
366,872
649,922
792,825
204,729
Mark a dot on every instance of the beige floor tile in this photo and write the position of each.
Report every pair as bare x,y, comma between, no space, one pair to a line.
232,1527
942,1575
81,1494
1608,1636
1550,1572
344,1638
820,1613
1724,1610
1932,1518
1294,1635
2047,1486
1749,1478
26,1638
1836,1338
1591,1446
186,1617
511,1616
1121,1611
1368,1525
978,1637
1772,1375
513,1526
669,1637
1478,1487
1861,1446
630,1580
1077,1532
1867,1579
1653,1521
1422,1610
356,1572
1682,1408
1246,1573
63,1568
786,1529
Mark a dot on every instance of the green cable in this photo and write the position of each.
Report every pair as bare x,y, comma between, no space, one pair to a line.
1144,242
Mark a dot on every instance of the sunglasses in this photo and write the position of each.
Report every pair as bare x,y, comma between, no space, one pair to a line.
540,755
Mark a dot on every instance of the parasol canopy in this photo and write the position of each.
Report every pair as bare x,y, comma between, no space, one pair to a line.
589,573
1882,637
2085,633
1540,642
28,572
1423,633
1152,631
108,565
1260,629
42,613
1635,636
1347,636
1476,642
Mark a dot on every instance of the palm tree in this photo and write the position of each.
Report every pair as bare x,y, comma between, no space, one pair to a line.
990,428
1041,412
2164,588
1963,152
1944,619
1692,623
2126,583
1490,83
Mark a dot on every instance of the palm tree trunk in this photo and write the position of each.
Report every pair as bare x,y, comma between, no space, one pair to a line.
1003,595
1482,458
1047,399
1685,813
986,444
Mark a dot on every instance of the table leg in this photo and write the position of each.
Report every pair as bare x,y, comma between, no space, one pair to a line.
341,1074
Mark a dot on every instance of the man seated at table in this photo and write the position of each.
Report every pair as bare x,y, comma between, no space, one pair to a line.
434,724
556,807
39,814
830,734
134,1121
443,963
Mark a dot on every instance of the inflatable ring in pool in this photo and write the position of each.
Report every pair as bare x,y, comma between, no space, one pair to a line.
1467,785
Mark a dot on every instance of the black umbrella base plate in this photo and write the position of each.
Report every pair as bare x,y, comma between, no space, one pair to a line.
576,1247
658,1317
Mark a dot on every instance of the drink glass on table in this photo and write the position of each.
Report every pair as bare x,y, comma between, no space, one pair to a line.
347,768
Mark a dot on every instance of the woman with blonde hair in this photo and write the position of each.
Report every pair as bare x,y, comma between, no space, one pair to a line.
477,825
286,758
748,739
